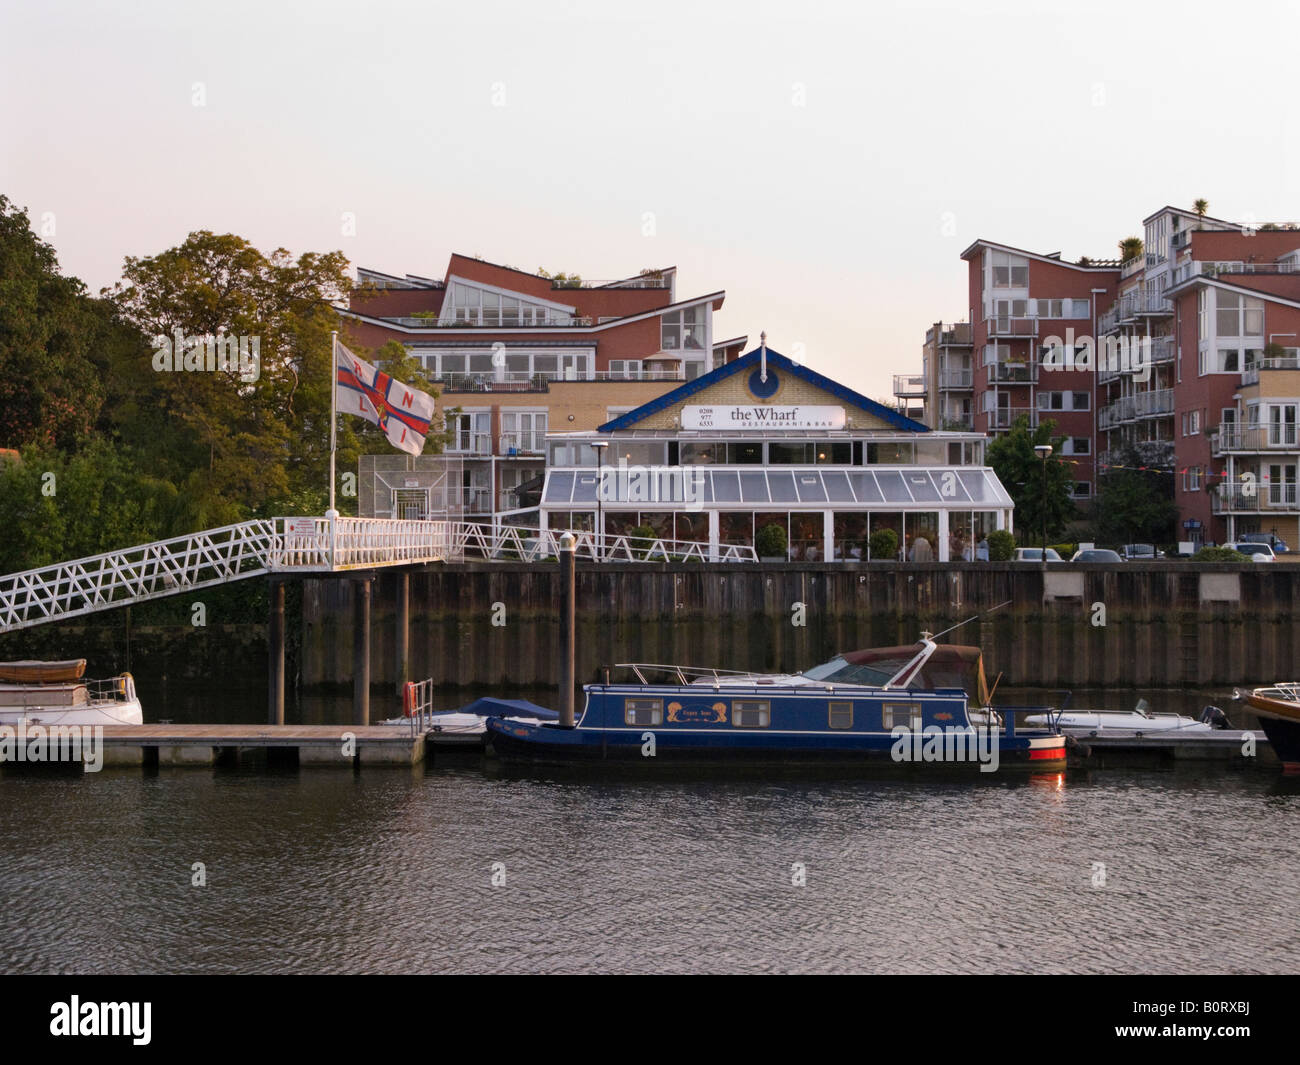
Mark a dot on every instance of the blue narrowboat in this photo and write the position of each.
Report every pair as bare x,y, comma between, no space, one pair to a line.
905,707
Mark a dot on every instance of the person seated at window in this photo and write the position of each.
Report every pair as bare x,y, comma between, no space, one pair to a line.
982,550
921,550
812,554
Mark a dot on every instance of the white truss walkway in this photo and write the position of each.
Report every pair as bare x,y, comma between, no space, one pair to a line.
294,545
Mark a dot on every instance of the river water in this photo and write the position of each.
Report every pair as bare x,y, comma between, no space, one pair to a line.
459,866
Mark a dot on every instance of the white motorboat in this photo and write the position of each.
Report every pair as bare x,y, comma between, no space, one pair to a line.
1138,720
56,693
466,726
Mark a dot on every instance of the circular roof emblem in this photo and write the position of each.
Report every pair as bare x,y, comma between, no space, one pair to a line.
764,389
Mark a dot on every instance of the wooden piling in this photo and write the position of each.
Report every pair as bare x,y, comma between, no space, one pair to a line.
402,643
361,652
275,655
568,618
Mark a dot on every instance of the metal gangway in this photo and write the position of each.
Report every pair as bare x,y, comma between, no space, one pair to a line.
305,546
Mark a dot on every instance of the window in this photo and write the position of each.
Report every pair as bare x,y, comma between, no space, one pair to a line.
1081,400
626,368
683,330
1082,489
643,711
1009,271
1238,316
751,713
841,715
1063,401
906,715
1192,479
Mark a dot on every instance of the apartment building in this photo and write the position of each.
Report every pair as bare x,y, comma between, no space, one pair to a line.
517,354
1023,306
1236,387
1186,355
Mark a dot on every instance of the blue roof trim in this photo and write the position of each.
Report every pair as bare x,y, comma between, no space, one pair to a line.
780,362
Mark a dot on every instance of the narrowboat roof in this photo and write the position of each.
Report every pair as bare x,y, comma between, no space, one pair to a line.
949,666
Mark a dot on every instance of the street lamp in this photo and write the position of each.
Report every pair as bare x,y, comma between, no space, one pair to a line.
1043,451
600,446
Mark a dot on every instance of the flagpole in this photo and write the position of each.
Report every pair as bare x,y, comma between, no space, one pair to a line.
334,420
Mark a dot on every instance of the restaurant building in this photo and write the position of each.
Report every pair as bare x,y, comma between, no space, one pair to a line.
763,440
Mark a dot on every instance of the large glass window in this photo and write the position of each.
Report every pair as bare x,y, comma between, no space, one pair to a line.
850,532
923,537
683,330
746,453
889,453
735,527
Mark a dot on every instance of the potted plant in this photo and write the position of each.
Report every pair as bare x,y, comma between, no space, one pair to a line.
882,545
770,543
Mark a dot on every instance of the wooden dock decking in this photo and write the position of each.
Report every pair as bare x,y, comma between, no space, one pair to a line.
342,746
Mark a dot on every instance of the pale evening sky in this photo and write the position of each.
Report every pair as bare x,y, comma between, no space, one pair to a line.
825,163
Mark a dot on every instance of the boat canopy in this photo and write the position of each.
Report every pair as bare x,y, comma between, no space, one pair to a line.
950,666
30,671
489,707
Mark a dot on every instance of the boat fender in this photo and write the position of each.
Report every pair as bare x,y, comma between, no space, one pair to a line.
408,699
1215,718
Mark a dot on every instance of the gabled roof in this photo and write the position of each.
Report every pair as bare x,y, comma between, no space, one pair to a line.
775,361
1055,260
1212,281
1187,213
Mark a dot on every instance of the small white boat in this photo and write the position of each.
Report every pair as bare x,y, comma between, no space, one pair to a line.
56,693
467,726
1139,719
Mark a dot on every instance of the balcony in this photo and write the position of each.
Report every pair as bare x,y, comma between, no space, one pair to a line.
1252,497
1250,375
470,445
956,379
1012,373
1005,417
556,321
1008,326
1254,440
959,335
909,386
523,443
1151,453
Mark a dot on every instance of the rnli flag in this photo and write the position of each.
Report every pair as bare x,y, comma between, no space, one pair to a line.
402,412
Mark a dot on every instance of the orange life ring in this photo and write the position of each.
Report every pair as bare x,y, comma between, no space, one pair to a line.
408,699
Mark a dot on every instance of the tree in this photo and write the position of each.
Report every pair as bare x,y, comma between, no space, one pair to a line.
1020,470
1134,502
1201,207
238,443
50,332
1130,248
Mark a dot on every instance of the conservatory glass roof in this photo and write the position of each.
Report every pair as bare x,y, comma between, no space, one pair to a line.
933,487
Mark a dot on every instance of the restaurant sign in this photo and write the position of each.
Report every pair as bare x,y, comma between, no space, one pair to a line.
763,417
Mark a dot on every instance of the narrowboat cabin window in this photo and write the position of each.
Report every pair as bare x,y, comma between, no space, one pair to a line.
906,714
841,715
643,711
751,713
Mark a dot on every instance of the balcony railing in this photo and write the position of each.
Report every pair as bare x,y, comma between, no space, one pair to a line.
1253,439
909,385
958,335
470,444
554,322
1250,375
524,442
1251,496
956,379
1008,326
1005,417
1012,373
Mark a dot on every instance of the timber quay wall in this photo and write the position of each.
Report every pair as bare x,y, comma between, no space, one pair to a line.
495,625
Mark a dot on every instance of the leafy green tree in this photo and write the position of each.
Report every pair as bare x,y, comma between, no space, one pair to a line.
238,443
50,329
1020,470
1134,503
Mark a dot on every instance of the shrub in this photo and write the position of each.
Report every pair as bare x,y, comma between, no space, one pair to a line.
1002,546
1064,550
883,544
770,542
1219,554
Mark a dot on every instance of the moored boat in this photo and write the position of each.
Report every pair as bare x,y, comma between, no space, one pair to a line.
1278,708
885,707
57,693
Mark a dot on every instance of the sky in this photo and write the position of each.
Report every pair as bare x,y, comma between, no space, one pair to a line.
824,163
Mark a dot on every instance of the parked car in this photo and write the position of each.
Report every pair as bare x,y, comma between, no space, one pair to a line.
1096,554
1275,542
1035,554
1142,552
1255,552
